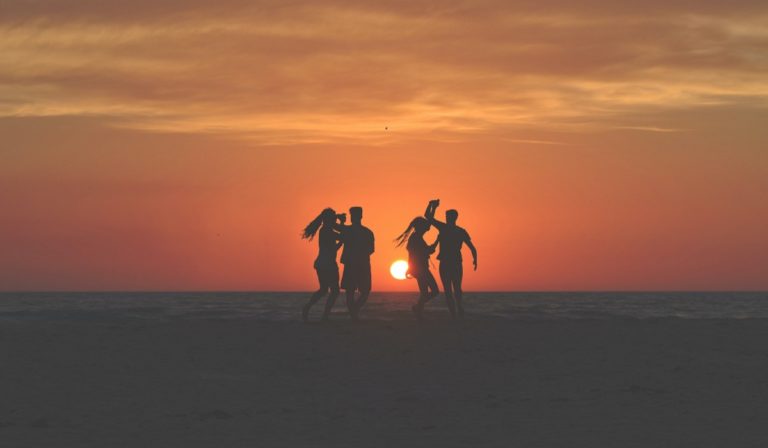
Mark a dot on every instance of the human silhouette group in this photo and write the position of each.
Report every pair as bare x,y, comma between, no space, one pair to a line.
358,243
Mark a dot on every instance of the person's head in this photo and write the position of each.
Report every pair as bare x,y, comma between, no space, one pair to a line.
451,216
327,217
418,226
356,214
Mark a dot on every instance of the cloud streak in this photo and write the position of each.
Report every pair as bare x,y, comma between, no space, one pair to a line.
283,74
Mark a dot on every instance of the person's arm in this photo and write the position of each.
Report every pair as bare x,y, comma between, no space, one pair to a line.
433,246
339,241
430,211
373,244
339,225
472,248
430,214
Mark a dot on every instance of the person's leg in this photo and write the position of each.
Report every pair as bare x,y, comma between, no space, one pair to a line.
432,286
333,280
361,299
418,308
445,277
457,291
364,286
329,303
351,303
349,284
312,300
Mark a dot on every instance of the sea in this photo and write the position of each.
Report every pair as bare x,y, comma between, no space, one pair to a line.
286,306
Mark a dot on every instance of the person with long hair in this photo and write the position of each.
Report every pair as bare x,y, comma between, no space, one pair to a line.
418,261
329,243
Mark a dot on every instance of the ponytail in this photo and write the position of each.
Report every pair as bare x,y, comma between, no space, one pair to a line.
309,232
403,237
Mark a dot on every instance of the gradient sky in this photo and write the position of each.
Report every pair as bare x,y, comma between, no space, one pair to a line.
156,145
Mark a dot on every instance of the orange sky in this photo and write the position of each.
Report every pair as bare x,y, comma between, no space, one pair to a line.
183,145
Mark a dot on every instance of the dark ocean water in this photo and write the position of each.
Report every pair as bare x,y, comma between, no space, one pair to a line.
285,306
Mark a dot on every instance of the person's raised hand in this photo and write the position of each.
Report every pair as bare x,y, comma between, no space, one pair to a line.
342,217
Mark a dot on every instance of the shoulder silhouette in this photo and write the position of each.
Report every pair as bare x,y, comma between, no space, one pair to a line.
451,239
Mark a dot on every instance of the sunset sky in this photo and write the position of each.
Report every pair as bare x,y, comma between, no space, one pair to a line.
183,145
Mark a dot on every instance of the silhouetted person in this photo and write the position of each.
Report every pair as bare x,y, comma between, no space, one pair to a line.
418,261
451,239
356,258
325,263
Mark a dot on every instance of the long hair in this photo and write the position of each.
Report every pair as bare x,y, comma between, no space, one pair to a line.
403,237
309,232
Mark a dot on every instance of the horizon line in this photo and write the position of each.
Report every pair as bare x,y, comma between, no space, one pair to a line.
377,291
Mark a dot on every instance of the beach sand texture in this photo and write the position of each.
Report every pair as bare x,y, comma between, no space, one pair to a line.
482,382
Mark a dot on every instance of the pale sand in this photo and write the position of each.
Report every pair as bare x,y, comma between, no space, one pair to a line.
667,383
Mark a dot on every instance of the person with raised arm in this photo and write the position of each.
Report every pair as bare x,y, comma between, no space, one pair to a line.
451,239
418,262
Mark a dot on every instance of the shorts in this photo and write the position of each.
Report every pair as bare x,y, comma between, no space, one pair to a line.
356,277
328,276
451,271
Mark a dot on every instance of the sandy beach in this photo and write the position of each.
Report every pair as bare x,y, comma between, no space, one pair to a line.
483,382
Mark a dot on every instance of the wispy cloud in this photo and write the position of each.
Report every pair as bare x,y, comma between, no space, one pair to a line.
279,73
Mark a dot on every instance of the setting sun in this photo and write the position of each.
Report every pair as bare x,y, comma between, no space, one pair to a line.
399,269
